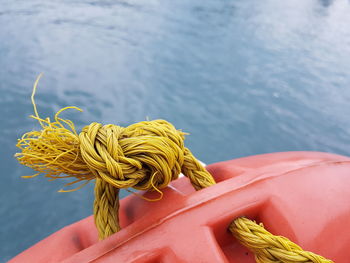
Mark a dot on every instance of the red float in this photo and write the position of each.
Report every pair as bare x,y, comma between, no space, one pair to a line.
303,196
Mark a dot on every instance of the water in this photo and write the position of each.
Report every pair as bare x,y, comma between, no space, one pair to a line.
243,77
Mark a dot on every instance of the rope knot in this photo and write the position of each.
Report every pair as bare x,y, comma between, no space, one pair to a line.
145,155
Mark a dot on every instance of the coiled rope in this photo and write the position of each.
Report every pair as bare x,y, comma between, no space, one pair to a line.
145,156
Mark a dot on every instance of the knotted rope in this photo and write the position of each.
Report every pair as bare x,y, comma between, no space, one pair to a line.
145,156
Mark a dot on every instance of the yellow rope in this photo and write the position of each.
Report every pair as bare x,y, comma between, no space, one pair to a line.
268,247
146,156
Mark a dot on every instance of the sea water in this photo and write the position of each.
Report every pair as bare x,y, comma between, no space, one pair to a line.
242,77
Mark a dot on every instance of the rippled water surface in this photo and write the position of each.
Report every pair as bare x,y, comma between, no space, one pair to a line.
242,77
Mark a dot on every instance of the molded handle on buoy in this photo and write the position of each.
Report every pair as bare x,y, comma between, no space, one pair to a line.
301,195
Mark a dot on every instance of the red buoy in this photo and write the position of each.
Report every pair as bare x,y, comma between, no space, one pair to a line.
303,196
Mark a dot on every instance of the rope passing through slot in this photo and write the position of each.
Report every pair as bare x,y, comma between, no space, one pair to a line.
145,156
268,247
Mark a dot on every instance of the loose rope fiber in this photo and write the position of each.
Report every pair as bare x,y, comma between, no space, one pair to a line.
145,156
268,247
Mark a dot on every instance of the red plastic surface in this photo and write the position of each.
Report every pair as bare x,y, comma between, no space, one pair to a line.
301,195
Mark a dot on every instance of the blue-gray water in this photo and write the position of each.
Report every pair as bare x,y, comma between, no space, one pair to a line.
243,77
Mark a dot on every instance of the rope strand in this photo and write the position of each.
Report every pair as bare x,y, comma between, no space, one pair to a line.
268,247
106,207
